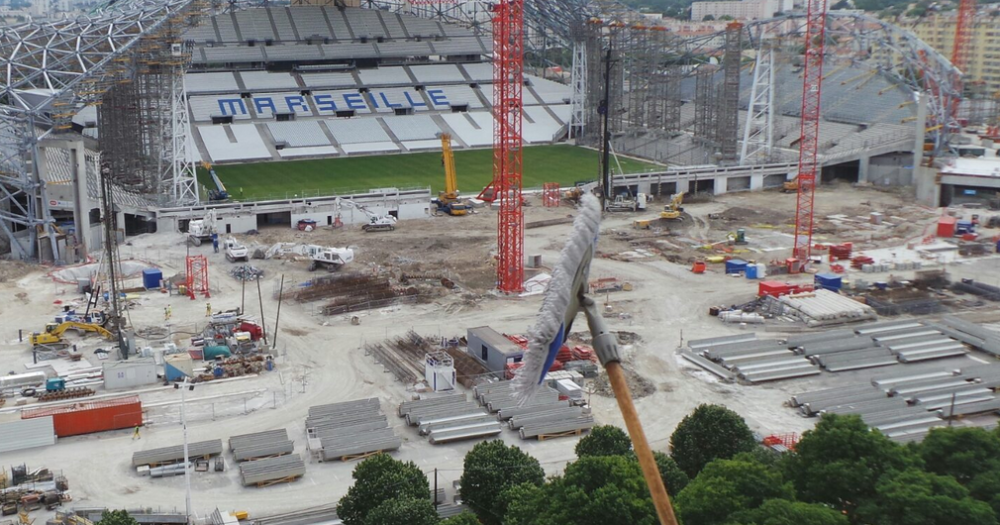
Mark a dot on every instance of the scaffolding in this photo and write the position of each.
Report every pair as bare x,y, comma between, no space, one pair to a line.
727,123
758,134
705,107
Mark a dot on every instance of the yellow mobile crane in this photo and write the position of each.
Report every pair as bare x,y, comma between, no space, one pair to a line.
448,201
672,211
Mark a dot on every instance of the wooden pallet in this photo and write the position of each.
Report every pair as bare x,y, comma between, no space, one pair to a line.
352,457
258,458
268,483
577,432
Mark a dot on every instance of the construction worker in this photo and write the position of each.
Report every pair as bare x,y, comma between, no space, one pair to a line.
215,242
135,435
167,313
208,309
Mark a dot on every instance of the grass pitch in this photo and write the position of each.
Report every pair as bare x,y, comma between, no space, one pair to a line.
559,163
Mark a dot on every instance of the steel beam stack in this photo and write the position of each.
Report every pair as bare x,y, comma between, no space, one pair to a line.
752,361
272,470
449,418
270,443
349,430
161,456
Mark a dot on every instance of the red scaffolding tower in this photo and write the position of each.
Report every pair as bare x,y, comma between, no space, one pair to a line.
508,78
550,195
197,276
812,81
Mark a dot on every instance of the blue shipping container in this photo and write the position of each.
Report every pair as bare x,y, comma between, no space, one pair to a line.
828,281
736,266
751,270
151,278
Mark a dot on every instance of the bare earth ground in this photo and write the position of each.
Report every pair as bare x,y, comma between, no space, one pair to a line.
320,360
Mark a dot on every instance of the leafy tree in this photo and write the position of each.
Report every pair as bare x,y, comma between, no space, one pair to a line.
397,511
374,479
726,487
604,440
842,4
708,18
465,518
986,487
595,490
785,512
710,432
521,502
673,477
962,453
490,467
915,497
117,517
841,460
726,17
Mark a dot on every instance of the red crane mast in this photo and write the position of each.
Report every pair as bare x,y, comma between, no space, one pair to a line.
812,81
964,23
508,79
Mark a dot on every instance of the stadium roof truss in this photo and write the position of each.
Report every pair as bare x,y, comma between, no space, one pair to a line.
49,71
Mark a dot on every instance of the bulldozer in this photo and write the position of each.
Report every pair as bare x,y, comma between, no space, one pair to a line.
54,331
672,211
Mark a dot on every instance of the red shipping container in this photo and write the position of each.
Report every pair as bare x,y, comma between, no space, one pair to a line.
91,416
772,288
946,226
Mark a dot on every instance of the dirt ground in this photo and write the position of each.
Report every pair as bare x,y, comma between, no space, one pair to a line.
321,358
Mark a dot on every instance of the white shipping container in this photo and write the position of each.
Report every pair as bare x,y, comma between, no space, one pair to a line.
130,374
569,389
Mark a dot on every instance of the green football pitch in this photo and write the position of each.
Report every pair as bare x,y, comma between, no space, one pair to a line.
560,163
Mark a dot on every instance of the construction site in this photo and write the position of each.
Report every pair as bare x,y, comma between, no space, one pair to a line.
818,234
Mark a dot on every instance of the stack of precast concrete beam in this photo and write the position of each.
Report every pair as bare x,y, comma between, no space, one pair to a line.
269,443
270,471
544,415
349,430
823,307
752,360
165,455
449,418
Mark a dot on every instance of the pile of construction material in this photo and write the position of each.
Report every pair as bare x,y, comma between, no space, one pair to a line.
405,358
747,358
970,333
543,416
349,430
448,418
820,308
30,489
906,405
175,454
986,291
270,471
245,272
260,445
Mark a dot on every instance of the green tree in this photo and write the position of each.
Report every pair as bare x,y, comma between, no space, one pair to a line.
708,18
710,432
604,440
117,517
465,518
726,18
399,511
673,477
785,512
841,460
521,502
915,497
595,490
962,453
725,487
489,468
374,479
986,487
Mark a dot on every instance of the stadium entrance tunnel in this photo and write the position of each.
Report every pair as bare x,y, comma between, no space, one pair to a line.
956,195
269,220
139,224
701,186
847,172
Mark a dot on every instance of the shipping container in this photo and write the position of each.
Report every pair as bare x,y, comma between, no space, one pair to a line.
773,288
130,374
151,278
946,226
736,266
91,416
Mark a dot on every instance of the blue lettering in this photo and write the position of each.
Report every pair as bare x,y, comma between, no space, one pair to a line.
437,97
371,97
412,102
325,103
389,104
296,101
261,103
354,101
231,104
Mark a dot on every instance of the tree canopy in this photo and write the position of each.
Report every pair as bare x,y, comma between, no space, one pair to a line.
465,518
489,468
710,432
841,460
674,479
962,453
374,479
785,512
915,497
117,517
398,511
604,440
728,486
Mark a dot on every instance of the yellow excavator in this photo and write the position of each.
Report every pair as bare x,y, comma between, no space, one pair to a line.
672,211
448,201
54,331
791,186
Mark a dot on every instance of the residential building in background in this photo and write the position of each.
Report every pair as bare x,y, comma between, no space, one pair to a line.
745,10
938,31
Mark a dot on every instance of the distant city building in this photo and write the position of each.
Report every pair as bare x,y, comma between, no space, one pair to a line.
41,8
938,30
745,10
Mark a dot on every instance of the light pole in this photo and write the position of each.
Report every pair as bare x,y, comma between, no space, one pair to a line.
183,387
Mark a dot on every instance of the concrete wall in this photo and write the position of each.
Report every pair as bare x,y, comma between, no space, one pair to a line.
894,169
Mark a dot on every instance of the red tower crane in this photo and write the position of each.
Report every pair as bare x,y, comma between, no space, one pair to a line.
812,81
508,79
964,24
